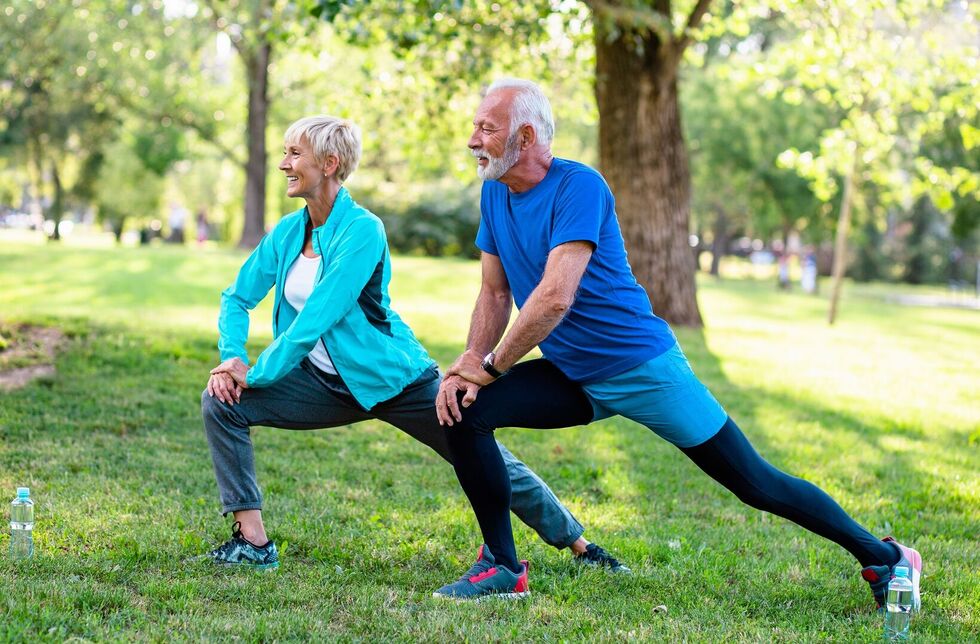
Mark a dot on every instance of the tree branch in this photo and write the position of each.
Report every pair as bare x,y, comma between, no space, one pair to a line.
697,14
215,16
221,147
188,122
630,19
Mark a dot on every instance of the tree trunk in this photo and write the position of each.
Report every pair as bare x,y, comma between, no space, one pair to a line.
257,68
643,157
117,228
917,264
58,203
840,241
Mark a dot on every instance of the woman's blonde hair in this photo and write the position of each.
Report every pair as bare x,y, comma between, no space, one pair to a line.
329,135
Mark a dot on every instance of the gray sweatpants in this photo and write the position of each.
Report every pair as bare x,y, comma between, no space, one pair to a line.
308,398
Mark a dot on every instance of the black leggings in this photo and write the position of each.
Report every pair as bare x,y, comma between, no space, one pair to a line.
536,394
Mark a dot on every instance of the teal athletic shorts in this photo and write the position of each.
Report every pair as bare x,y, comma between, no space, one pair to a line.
664,395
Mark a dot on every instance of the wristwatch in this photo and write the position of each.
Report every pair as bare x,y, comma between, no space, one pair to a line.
487,365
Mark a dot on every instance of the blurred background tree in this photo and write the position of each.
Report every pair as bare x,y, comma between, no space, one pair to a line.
884,66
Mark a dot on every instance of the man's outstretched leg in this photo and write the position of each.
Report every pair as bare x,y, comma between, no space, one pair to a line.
665,395
533,394
730,459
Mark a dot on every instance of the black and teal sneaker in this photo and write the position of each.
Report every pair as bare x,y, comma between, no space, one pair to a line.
595,556
486,579
239,551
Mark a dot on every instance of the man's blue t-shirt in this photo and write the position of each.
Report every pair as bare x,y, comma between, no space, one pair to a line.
611,327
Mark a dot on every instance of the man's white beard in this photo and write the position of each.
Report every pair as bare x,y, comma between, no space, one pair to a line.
498,166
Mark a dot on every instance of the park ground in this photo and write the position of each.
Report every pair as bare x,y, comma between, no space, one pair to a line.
881,410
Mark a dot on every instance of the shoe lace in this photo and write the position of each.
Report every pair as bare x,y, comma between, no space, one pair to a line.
479,567
228,546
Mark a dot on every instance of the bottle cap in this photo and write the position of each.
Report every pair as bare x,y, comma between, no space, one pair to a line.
901,571
23,492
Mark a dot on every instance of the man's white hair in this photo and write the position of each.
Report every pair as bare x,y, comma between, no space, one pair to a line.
329,135
530,107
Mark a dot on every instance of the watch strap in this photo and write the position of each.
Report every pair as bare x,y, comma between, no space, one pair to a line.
487,365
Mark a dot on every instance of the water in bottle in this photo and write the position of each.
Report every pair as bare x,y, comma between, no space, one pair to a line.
898,605
22,525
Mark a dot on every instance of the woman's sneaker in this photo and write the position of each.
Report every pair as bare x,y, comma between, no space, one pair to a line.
486,579
596,556
879,576
239,551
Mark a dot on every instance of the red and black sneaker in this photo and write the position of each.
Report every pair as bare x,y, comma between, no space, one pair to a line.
487,579
879,576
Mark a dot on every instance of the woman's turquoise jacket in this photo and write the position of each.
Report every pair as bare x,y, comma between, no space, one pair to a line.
373,350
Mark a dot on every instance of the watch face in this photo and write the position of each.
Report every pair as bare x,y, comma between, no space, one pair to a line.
487,365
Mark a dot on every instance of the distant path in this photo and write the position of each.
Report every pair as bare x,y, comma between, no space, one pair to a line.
943,301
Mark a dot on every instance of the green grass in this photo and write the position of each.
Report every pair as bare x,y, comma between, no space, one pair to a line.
879,410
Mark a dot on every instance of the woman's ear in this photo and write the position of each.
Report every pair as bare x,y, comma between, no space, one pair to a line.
330,165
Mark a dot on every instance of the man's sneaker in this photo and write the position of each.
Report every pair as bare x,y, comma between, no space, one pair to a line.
879,576
595,556
239,551
486,579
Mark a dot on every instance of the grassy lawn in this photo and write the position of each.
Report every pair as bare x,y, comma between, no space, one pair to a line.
879,410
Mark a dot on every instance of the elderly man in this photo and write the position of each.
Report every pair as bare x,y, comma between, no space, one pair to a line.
551,241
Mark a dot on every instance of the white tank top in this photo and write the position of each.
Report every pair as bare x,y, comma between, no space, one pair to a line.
296,290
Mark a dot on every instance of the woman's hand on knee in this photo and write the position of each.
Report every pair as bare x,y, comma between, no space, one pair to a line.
223,387
234,368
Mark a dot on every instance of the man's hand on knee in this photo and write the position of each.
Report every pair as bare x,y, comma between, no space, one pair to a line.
447,400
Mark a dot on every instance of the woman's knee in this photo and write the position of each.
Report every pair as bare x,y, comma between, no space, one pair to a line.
213,409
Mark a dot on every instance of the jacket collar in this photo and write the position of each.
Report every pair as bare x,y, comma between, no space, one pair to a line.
342,207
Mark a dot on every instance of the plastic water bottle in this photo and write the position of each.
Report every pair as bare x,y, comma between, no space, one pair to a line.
22,525
898,605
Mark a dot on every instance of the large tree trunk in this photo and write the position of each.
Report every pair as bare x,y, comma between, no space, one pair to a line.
644,159
257,67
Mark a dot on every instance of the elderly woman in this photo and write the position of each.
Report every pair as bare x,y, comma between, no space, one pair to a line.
340,354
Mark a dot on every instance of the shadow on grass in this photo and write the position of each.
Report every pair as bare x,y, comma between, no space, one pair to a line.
898,476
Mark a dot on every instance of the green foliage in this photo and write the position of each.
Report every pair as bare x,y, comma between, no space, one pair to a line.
431,58
437,219
160,148
104,65
113,451
736,135
126,188
53,115
895,72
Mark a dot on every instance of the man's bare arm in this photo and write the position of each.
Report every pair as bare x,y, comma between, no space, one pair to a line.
491,313
544,309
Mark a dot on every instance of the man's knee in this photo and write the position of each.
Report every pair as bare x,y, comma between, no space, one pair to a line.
476,419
